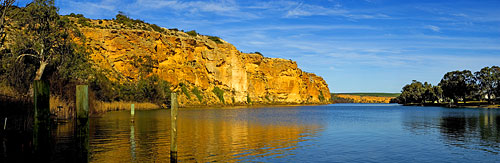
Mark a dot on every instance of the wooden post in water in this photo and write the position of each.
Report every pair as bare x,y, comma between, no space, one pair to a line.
82,122
41,125
173,129
132,113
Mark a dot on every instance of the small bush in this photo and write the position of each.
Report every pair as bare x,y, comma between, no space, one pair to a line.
248,99
197,93
100,21
219,93
258,53
192,33
185,91
157,28
267,98
215,39
83,21
321,97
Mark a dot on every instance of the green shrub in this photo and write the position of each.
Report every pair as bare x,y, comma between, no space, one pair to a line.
157,28
84,21
127,21
267,98
215,39
219,93
248,99
100,21
192,33
197,93
258,53
321,97
185,91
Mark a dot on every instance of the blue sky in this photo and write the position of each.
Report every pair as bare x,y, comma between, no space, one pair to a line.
355,45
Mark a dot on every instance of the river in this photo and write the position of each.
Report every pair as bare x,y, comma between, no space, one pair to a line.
325,133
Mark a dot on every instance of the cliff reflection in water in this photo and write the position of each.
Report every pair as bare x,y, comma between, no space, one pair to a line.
203,135
463,128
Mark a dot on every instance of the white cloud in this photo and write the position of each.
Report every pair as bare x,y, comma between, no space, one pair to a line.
433,28
228,8
308,10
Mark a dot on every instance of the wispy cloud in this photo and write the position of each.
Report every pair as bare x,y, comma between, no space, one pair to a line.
228,8
433,28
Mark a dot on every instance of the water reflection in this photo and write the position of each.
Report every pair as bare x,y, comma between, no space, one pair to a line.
470,129
476,129
203,135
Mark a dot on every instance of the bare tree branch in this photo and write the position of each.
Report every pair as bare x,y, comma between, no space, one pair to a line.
23,55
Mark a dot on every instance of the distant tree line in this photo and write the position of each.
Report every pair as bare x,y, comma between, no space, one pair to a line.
455,86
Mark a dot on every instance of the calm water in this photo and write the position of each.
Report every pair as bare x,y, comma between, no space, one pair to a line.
331,133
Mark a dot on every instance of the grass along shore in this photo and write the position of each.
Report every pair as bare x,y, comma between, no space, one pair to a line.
63,109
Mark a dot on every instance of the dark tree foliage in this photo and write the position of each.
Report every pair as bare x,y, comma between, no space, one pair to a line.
413,93
192,33
43,36
215,39
40,47
458,85
5,8
488,81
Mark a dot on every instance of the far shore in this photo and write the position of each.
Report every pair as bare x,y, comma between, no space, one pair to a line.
460,105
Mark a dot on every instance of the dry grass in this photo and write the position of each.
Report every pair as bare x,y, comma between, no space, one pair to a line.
61,108
365,99
7,90
102,107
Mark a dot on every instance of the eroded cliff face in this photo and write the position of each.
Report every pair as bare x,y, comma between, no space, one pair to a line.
198,62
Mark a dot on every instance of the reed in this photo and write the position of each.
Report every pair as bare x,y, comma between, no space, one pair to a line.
102,107
60,108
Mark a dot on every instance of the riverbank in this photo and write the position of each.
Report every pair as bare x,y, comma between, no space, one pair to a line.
363,97
473,104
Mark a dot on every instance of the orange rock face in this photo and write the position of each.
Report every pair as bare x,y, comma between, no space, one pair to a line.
200,62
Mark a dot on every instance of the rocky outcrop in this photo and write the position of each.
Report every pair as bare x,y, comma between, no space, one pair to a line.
197,62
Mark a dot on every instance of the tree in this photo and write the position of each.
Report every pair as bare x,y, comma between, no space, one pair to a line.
4,9
432,93
438,93
487,78
413,93
43,36
458,85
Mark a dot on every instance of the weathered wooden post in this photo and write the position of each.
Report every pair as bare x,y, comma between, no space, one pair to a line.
82,122
132,113
41,125
173,129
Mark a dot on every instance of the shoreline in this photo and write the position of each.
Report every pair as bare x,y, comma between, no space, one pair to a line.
459,105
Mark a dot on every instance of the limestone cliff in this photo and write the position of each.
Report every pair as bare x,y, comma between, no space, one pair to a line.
189,62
